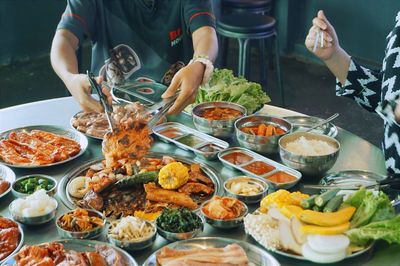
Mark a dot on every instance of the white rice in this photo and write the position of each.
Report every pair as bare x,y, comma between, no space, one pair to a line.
306,147
263,229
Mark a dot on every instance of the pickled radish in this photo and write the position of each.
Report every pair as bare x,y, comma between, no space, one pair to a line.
318,257
328,243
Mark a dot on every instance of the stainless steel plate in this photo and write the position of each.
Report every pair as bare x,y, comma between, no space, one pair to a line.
352,177
20,244
84,133
256,255
65,132
86,245
302,123
6,174
69,203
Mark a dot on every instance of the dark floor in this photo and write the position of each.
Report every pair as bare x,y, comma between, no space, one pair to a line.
309,88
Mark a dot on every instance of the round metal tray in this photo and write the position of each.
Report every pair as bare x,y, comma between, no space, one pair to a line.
302,123
69,203
65,132
85,245
86,134
256,255
8,175
20,244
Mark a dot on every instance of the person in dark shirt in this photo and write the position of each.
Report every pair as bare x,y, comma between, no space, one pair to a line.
137,40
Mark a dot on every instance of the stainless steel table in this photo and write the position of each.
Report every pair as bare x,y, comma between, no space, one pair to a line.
356,153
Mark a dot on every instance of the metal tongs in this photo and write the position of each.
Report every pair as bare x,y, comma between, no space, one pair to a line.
103,99
379,185
158,110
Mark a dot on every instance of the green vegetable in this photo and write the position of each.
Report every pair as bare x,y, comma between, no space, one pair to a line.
388,230
373,208
355,199
334,203
178,220
316,208
308,203
141,178
224,86
32,184
322,199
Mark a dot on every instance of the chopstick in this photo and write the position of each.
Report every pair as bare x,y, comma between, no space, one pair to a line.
319,38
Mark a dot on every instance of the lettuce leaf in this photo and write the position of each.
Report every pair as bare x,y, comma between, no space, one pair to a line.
388,230
224,86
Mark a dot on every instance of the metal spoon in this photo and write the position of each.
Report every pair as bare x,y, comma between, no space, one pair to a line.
323,122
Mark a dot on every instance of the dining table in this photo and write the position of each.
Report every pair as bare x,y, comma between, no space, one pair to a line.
355,154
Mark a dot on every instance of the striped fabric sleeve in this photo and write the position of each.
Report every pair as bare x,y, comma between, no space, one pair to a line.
362,85
198,14
79,18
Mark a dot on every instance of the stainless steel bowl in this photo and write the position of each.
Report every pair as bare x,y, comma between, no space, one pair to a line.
217,128
92,234
35,220
248,199
171,236
50,192
260,144
136,244
308,165
224,224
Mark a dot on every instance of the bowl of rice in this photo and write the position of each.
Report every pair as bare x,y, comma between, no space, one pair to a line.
309,153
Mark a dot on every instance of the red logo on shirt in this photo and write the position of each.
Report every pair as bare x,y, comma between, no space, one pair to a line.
175,36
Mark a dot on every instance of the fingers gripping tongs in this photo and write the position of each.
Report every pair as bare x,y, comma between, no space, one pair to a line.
158,110
103,99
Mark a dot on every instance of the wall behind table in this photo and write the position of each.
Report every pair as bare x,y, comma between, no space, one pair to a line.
362,25
27,28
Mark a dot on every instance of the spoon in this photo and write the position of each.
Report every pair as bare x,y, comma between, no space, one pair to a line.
323,122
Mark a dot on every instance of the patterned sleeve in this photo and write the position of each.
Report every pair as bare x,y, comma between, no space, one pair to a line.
363,85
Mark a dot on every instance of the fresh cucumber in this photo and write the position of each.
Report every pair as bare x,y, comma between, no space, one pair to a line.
322,199
334,204
140,178
316,208
309,202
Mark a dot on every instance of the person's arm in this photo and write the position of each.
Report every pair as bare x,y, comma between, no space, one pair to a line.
354,81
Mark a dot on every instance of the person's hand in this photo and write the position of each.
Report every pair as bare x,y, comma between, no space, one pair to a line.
188,79
331,42
80,88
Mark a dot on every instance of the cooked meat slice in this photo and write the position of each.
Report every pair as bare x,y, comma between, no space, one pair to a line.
74,258
93,200
157,194
9,239
95,259
195,175
195,188
7,223
112,256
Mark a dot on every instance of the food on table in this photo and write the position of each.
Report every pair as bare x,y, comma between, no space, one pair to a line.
36,204
237,158
306,147
263,130
259,168
54,253
325,249
130,140
4,185
334,203
281,178
79,186
149,216
180,220
80,220
223,208
328,218
229,255
245,187
32,184
280,198
220,113
91,123
224,86
322,199
171,133
130,229
210,148
190,140
134,186
264,229
37,147
173,175
9,237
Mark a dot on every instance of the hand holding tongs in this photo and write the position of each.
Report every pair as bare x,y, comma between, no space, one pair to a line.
158,110
103,99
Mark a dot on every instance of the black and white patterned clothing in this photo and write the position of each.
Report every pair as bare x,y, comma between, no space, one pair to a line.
379,92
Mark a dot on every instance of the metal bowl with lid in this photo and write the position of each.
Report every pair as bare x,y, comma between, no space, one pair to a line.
218,128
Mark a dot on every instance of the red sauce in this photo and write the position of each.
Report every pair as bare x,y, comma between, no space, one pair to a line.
259,168
219,113
281,177
237,158
171,133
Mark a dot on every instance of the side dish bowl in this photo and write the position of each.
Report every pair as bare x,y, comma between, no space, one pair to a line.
261,144
19,183
218,128
34,220
224,224
309,165
173,236
251,198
